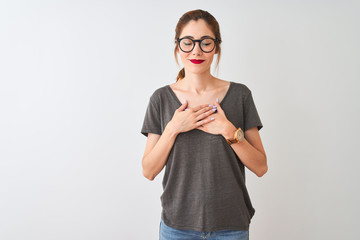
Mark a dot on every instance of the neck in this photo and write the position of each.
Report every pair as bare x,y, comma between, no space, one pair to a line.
199,83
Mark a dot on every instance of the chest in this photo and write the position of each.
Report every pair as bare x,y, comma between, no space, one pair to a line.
199,99
231,103
195,100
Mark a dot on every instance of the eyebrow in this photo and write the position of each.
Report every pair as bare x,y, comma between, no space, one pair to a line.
200,38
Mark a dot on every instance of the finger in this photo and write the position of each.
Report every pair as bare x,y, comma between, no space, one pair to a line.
201,111
197,108
218,107
203,122
204,115
183,106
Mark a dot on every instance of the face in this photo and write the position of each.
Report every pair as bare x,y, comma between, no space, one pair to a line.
197,30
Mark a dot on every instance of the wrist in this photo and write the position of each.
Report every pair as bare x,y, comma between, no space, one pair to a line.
172,129
229,131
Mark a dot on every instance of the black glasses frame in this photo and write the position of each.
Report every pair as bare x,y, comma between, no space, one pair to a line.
199,41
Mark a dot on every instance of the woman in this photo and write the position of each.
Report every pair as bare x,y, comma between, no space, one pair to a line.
205,130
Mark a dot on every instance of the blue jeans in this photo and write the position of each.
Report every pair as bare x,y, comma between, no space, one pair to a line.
169,233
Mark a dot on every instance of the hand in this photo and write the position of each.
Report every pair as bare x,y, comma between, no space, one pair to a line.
220,125
186,120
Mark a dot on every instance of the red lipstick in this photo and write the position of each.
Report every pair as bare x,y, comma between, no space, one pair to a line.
196,61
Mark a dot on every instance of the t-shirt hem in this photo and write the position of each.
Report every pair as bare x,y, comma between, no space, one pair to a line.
254,124
146,131
237,228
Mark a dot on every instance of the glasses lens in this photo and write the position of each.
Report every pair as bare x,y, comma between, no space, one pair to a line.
186,44
207,45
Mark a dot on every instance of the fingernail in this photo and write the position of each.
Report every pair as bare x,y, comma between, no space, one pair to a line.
212,118
217,99
210,105
214,109
185,101
214,106
185,109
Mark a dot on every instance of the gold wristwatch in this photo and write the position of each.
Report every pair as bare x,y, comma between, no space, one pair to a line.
238,137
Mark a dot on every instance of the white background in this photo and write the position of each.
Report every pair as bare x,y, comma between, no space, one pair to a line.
76,77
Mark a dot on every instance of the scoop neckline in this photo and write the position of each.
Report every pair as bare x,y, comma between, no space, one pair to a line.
178,101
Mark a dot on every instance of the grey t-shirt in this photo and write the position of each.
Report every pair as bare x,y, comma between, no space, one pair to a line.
204,179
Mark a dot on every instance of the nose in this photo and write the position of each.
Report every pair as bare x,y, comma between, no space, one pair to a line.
197,50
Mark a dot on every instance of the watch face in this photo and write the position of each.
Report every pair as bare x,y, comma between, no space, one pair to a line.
240,135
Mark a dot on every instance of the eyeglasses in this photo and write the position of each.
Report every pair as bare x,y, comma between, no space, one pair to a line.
206,45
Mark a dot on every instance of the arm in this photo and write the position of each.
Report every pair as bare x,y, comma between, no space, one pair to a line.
157,151
158,146
250,150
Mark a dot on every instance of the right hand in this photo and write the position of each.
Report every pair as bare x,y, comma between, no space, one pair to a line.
183,121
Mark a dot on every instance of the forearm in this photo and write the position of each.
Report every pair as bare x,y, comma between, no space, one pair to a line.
251,157
155,161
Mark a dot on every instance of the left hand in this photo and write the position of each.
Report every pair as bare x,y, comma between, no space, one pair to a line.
220,125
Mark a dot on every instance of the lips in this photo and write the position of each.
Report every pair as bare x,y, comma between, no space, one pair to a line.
196,61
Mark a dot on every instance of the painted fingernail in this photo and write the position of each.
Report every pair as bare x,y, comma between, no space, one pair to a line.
217,99
185,101
214,106
212,118
210,105
185,109
214,109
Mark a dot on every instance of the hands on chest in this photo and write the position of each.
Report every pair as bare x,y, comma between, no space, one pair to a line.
209,118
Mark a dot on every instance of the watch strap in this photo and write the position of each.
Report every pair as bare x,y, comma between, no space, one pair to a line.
235,139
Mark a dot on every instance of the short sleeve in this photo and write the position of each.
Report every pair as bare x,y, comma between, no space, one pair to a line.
152,122
251,116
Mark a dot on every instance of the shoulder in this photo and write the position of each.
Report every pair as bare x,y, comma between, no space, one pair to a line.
159,93
241,88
